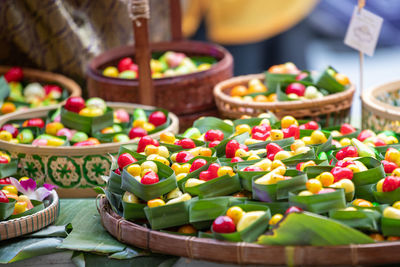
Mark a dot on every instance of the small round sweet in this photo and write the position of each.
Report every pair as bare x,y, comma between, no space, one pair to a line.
111,72
8,107
53,127
5,136
326,178
313,185
235,213
155,203
91,112
128,74
287,121
79,137
121,138
275,219
243,128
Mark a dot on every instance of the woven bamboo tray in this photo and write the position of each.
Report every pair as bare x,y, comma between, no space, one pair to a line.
39,76
378,115
32,223
244,253
334,108
75,170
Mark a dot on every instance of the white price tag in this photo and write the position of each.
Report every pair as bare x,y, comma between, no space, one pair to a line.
363,31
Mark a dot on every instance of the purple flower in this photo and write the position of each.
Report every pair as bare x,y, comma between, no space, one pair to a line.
28,188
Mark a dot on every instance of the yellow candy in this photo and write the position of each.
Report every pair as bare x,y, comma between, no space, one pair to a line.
276,164
275,219
297,144
307,140
20,207
193,182
23,178
287,121
282,155
389,140
318,137
225,170
11,189
253,157
241,153
243,128
55,142
302,150
346,184
362,203
314,186
276,135
307,164
396,205
5,136
14,141
130,198
138,123
379,185
187,229
335,133
305,193
345,142
110,72
151,149
149,166
204,66
167,137
181,176
173,157
155,203
134,169
184,168
163,151
250,141
235,213
264,164
205,152
91,112
354,168
53,127
326,179
148,126
161,159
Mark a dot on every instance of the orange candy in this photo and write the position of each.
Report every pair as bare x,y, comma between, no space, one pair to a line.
239,90
8,107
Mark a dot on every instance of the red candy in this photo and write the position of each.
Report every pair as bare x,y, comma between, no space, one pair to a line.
213,135
15,74
125,159
157,118
223,224
150,177
341,173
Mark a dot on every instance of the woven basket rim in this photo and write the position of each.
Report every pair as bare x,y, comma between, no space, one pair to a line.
70,85
75,151
106,213
220,87
226,59
383,109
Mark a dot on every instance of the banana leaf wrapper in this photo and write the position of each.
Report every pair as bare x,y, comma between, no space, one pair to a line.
115,201
9,169
150,191
382,149
360,219
37,206
246,178
374,173
205,235
366,192
304,228
6,209
387,197
282,143
294,160
319,203
174,148
168,215
390,227
114,183
274,207
329,83
196,173
88,125
280,190
221,186
314,171
337,128
220,148
253,231
208,123
133,211
273,80
251,122
131,149
202,212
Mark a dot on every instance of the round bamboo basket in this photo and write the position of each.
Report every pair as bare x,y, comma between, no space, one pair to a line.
75,170
33,75
31,223
191,93
333,108
377,114
245,253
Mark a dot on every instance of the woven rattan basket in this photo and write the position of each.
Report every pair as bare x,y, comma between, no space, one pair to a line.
44,77
333,109
75,170
32,223
378,114
245,253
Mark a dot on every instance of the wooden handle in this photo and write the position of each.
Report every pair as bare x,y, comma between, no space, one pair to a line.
175,15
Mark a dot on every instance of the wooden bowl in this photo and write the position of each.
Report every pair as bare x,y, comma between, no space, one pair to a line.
332,108
245,253
31,223
75,170
33,75
183,94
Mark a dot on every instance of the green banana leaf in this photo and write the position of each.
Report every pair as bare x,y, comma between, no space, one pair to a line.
390,227
221,186
115,201
253,231
387,197
329,83
282,143
9,169
202,212
246,178
280,190
37,206
220,148
208,123
338,138
311,229
314,171
88,125
319,203
274,207
6,209
196,173
251,122
168,215
205,234
114,183
374,173
133,211
363,219
272,80
294,160
366,192
174,148
150,191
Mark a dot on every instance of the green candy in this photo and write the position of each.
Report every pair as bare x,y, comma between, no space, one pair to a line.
79,137
121,138
25,136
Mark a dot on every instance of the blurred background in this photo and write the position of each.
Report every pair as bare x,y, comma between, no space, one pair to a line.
62,36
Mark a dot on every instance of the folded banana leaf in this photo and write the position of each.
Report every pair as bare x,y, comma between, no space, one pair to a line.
253,231
328,82
363,219
387,197
196,173
390,227
37,206
280,190
205,234
311,229
9,169
366,192
85,124
319,203
293,161
174,148
208,123
202,212
282,143
246,178
131,149
382,149
274,207
314,171
150,191
251,122
114,183
168,215
221,186
6,209
133,211
374,173
115,201
337,128
272,80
